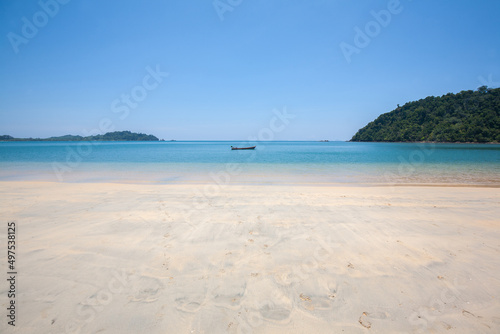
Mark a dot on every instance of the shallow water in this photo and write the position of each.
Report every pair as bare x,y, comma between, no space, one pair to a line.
270,163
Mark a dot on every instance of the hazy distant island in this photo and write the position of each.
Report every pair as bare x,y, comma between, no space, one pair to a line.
110,136
466,117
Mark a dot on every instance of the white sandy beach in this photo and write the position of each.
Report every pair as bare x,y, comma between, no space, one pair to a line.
127,258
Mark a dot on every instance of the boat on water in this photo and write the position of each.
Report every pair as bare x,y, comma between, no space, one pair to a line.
243,148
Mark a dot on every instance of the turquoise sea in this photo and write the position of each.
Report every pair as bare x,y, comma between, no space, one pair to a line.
271,163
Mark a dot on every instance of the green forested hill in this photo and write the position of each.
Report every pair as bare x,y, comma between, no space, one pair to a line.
469,116
110,136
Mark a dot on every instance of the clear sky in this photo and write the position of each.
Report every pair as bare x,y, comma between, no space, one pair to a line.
74,67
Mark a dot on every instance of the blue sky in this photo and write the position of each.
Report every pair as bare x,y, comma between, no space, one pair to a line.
229,69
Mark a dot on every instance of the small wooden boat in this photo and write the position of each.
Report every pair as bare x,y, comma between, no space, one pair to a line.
243,148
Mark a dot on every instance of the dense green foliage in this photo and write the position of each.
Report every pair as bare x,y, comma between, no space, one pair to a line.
110,136
469,116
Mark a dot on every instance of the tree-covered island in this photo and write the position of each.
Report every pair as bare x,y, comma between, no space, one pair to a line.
110,136
466,117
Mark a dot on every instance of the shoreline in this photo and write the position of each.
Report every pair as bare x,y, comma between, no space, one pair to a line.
269,184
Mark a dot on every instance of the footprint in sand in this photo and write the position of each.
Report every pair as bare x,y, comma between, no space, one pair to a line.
145,289
192,295
363,320
321,295
316,302
276,313
186,305
306,302
213,319
229,295
367,317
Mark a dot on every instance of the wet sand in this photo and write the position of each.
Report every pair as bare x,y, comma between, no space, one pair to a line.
125,258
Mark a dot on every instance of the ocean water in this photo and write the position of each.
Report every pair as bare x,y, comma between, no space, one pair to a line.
270,163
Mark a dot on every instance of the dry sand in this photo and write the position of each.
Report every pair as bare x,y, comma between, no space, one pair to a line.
118,258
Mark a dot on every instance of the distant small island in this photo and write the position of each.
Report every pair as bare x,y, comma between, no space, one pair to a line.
466,117
110,136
